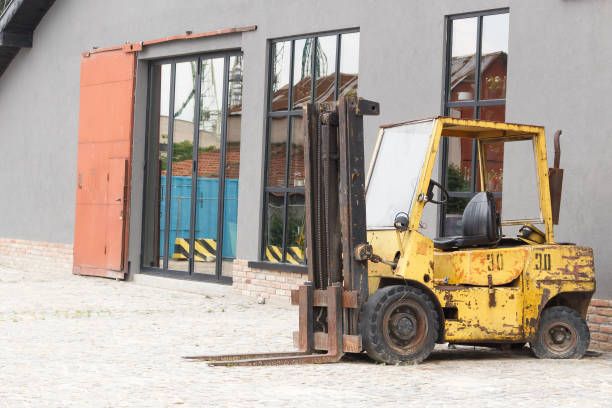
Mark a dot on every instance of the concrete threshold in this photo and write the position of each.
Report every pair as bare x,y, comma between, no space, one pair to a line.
181,285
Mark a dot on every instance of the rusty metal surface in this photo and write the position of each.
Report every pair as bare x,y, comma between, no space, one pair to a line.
351,191
350,343
349,298
555,175
116,213
103,166
306,318
138,46
404,326
311,117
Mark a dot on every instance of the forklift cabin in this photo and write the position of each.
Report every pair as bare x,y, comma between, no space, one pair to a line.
487,288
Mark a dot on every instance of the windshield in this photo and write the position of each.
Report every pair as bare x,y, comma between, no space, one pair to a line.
395,170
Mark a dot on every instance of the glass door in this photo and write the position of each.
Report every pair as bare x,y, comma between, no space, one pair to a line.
191,200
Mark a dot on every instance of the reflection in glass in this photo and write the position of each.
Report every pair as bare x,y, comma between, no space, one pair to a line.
182,159
494,57
281,61
454,213
522,200
464,112
494,166
325,68
209,162
462,174
273,236
277,152
302,71
314,58
296,161
349,64
232,165
157,157
296,214
463,59
493,113
459,168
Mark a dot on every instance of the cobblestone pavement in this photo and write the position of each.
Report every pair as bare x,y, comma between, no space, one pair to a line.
75,341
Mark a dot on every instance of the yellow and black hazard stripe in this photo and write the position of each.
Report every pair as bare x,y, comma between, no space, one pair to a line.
274,253
295,255
205,249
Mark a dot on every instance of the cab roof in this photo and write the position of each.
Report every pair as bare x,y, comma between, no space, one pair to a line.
479,129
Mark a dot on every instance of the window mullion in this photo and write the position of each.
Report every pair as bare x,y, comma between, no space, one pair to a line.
285,228
313,73
338,79
449,57
477,65
169,153
473,184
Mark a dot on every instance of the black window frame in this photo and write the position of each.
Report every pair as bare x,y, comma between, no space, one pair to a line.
289,113
477,103
164,270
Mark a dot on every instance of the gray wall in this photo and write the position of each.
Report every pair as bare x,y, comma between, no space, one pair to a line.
559,76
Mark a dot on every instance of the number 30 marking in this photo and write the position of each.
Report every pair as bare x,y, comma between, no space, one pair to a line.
542,262
495,262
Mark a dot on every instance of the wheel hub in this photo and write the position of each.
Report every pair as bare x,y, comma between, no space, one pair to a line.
559,335
403,325
559,338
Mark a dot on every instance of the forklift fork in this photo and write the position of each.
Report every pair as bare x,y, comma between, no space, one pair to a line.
335,227
308,343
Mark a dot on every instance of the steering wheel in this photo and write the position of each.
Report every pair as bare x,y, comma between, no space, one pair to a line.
430,194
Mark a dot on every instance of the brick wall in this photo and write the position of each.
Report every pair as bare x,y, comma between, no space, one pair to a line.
35,255
271,285
600,322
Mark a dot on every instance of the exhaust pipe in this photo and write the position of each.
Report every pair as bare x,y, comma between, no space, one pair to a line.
555,180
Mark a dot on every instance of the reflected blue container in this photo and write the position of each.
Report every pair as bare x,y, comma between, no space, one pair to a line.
207,204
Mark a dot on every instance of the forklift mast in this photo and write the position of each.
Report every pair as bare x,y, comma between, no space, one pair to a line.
336,248
335,196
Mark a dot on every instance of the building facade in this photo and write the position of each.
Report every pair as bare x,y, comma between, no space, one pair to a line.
216,169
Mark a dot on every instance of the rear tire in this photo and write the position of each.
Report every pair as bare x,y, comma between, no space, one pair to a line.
562,333
399,324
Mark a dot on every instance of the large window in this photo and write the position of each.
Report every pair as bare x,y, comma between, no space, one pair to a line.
307,69
192,166
476,77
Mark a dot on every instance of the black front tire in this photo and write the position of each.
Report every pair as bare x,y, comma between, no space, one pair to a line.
399,324
562,334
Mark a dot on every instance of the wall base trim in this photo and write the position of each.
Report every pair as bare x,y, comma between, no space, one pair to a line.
36,255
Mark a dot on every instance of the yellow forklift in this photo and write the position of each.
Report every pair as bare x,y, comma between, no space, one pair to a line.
378,284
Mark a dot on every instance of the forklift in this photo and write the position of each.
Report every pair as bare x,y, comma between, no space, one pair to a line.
377,284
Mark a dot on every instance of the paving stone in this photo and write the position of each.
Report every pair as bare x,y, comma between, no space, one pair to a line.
69,341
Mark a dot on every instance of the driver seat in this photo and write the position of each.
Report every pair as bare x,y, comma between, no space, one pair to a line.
480,225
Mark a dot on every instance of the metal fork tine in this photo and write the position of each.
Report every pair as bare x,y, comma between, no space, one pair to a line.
250,356
289,360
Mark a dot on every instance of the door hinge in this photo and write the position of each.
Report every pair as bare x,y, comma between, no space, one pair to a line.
104,249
